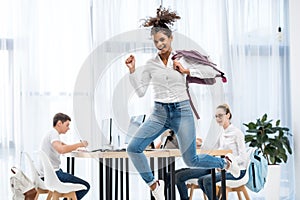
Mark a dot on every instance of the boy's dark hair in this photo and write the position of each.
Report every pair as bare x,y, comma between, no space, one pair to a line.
60,117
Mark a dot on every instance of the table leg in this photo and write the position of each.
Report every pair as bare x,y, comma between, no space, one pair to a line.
73,165
127,178
171,166
116,177
213,176
101,174
108,176
121,179
165,175
160,168
68,164
152,167
223,184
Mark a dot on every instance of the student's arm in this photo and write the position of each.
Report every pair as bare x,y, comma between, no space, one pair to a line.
63,148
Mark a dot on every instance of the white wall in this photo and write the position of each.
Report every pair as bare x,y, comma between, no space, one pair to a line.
295,73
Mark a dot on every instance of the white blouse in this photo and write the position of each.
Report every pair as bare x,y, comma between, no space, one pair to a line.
234,139
168,84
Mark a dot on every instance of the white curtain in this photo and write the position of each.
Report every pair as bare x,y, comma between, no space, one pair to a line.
53,41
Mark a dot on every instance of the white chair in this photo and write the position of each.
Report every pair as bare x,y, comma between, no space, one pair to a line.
236,186
231,186
38,183
58,188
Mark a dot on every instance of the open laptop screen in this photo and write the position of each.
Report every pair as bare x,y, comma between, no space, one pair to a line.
106,130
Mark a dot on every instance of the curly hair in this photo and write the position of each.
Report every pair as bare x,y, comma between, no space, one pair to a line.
164,18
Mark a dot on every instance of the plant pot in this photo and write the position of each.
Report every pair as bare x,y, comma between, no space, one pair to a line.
272,186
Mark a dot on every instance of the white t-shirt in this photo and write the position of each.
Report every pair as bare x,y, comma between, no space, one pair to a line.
47,147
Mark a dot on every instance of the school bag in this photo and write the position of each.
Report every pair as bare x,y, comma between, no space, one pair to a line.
21,186
196,57
257,170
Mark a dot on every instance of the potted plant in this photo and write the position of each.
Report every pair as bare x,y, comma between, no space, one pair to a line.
273,142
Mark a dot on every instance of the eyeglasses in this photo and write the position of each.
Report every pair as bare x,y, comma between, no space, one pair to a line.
220,116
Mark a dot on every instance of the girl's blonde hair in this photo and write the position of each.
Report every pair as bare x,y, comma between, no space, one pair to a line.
226,108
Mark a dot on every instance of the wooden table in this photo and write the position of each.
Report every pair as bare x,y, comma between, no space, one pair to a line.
118,160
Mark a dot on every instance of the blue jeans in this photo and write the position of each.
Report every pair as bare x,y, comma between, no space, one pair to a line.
179,118
204,180
69,178
182,175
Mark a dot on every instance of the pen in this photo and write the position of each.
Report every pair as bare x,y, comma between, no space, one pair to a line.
83,144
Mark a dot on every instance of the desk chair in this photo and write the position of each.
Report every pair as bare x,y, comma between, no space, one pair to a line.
58,188
193,184
38,183
236,186
231,186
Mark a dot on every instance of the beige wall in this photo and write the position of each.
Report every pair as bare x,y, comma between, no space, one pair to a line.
295,76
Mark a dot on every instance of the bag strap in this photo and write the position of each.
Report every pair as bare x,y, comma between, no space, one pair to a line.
202,59
191,102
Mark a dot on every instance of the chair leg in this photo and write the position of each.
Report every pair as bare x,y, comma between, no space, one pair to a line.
191,192
36,196
49,196
227,191
244,190
239,195
237,190
204,196
42,191
218,192
73,196
55,195
192,187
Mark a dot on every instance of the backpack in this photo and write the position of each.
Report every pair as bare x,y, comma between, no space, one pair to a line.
195,56
257,170
21,186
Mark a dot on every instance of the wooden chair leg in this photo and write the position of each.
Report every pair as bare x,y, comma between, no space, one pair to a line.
246,195
227,191
70,195
191,191
204,196
73,196
237,190
55,195
36,196
239,195
192,187
49,196
218,192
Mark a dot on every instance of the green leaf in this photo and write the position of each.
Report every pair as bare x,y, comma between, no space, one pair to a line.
271,140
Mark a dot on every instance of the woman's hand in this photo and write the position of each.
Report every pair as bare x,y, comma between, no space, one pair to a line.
130,63
177,66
